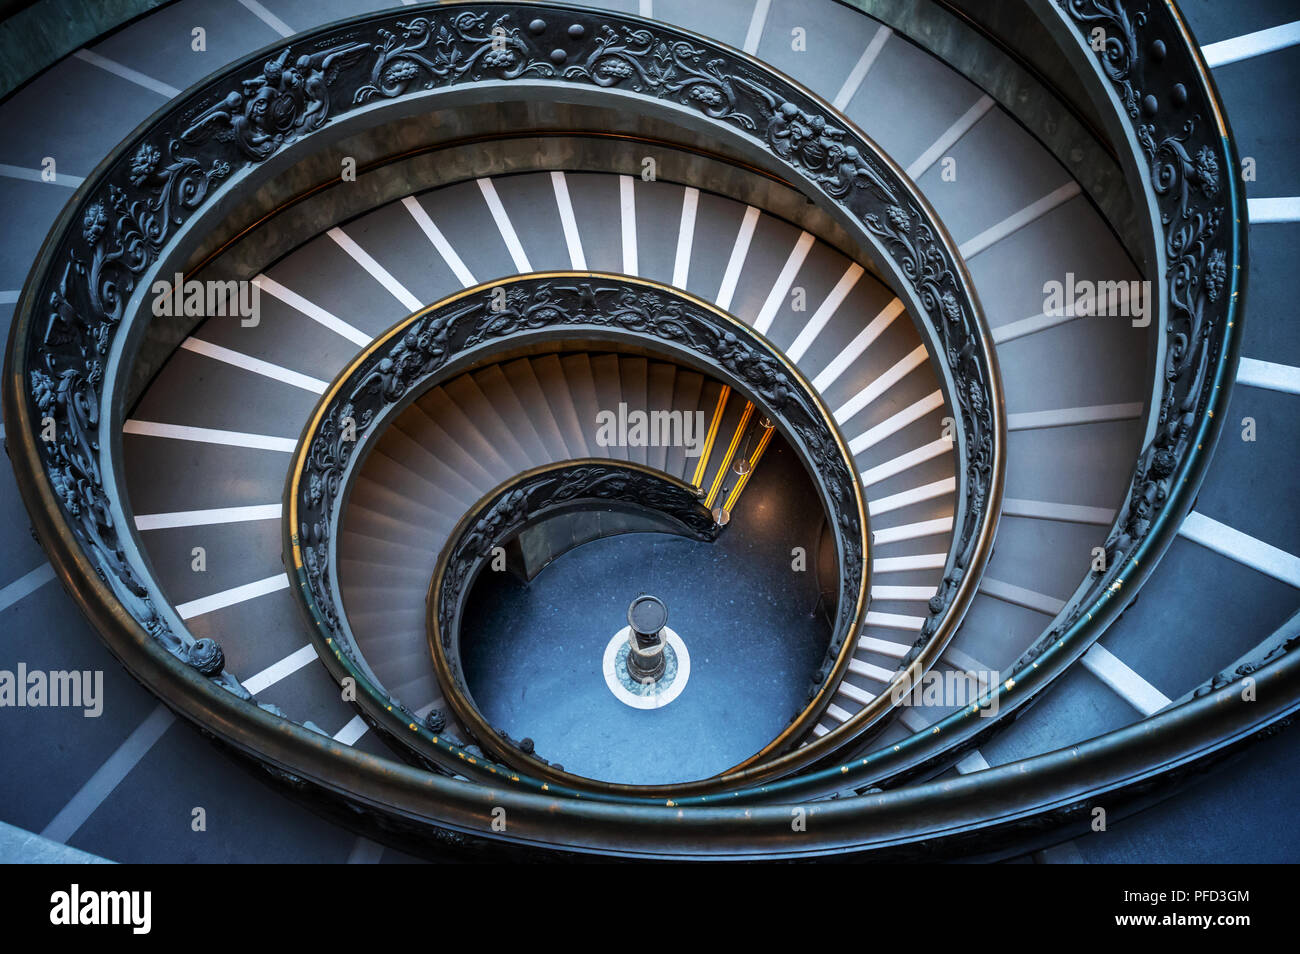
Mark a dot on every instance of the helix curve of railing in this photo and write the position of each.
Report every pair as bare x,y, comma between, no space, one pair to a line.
472,327
526,500
1199,219
80,314
1150,68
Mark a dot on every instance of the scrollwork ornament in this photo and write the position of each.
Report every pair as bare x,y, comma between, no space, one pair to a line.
143,200
432,346
1186,161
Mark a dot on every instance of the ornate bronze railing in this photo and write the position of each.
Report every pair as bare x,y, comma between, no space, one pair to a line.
1179,134
1150,67
523,501
84,310
483,323
67,343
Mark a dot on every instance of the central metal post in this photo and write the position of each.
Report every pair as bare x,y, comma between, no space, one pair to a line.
646,618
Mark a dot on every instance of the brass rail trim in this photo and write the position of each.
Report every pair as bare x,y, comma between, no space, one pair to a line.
723,464
753,463
757,765
702,467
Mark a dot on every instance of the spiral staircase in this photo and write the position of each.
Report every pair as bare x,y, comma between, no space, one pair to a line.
824,230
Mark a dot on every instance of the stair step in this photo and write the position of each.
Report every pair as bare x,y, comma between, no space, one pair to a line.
606,371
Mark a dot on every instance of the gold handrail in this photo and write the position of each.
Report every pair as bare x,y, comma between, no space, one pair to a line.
703,466
753,462
723,464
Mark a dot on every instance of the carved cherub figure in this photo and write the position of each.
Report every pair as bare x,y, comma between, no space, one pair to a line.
275,105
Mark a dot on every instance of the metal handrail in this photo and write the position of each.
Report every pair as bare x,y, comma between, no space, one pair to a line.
72,336
1169,476
498,517
1198,209
479,324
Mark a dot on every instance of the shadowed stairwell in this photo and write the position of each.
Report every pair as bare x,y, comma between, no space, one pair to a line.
532,651
835,236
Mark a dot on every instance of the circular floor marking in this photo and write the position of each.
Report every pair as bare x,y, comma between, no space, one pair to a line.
655,695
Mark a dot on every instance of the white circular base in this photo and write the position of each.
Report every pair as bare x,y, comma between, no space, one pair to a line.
658,696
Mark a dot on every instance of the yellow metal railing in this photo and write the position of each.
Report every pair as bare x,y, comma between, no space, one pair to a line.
721,475
702,467
763,441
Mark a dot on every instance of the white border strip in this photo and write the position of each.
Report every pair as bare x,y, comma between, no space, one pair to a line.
911,531
1251,44
906,461
627,220
128,74
207,435
783,282
893,621
1066,513
756,22
35,175
824,312
906,498
232,596
267,17
1267,374
1278,209
1028,326
207,518
905,594
1245,549
568,221
858,695
434,235
906,364
26,584
859,71
1019,596
871,670
504,226
685,237
859,344
739,251
1126,683
949,138
1017,221
1069,416
312,311
109,775
903,564
896,422
137,745
351,732
885,647
286,667
377,271
973,762
256,365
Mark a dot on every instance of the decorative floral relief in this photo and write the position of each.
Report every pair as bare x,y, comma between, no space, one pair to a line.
135,208
415,359
421,54
1186,159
